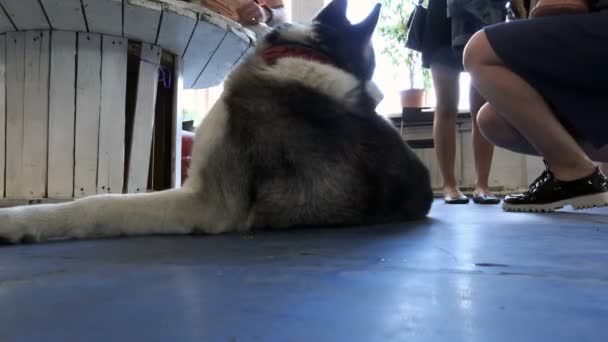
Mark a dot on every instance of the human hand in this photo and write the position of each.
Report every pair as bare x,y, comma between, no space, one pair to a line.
250,13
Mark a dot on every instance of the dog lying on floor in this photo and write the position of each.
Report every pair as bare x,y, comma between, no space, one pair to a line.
293,141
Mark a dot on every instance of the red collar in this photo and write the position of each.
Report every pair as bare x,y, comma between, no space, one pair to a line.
273,54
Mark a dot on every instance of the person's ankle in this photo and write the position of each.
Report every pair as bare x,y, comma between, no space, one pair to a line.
451,191
482,189
572,173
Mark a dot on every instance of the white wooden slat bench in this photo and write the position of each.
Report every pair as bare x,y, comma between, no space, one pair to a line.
71,122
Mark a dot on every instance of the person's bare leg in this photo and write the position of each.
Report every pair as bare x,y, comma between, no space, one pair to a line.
604,167
445,81
516,99
483,150
502,134
572,178
497,130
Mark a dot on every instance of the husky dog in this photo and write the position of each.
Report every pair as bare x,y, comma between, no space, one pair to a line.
293,141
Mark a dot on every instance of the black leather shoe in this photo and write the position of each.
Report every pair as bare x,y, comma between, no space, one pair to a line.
548,194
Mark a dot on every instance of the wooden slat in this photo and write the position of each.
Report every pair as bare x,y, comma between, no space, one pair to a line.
208,11
5,23
14,202
224,58
143,123
176,151
36,113
61,115
110,172
65,14
104,16
220,12
27,114
26,14
7,203
175,31
15,72
88,103
205,40
2,111
141,20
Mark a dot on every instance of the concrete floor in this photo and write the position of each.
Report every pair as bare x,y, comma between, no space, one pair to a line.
469,273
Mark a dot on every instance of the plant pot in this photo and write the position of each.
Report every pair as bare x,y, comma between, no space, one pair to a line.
413,98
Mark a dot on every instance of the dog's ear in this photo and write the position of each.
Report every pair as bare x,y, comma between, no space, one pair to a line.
333,14
366,28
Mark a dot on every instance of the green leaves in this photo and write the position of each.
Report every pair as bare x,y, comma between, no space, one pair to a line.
393,28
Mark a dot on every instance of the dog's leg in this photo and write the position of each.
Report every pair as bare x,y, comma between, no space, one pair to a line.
167,212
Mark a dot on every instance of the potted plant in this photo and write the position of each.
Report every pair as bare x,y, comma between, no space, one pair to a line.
393,27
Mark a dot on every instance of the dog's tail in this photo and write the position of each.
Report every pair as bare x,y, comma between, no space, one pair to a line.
419,199
101,216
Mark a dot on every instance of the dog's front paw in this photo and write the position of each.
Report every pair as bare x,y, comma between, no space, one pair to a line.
11,230
8,235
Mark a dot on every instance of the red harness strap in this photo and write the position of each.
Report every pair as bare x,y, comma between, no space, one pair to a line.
273,54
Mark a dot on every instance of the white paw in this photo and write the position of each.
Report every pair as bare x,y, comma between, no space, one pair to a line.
7,231
11,230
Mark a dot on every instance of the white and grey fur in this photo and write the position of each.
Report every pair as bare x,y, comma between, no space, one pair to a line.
295,143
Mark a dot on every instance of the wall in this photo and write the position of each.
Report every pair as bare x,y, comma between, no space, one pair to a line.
510,171
304,10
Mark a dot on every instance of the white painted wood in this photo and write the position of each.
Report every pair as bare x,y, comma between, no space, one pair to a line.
88,104
62,95
110,171
27,114
65,14
15,72
141,20
175,31
508,169
225,57
206,14
205,41
5,23
35,114
2,111
12,202
26,14
104,16
176,136
143,122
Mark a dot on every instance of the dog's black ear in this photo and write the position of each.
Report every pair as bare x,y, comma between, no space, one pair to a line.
367,27
333,14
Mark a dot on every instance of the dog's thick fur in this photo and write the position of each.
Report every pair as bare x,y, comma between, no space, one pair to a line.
291,143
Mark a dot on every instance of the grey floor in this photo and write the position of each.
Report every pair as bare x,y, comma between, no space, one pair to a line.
469,273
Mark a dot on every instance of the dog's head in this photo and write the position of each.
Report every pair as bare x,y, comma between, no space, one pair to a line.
330,38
